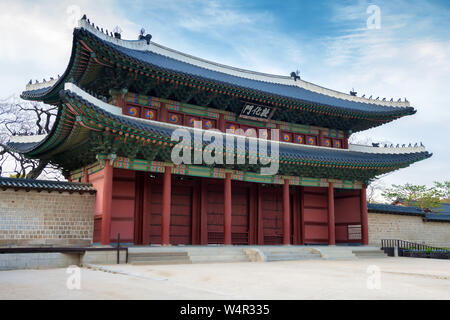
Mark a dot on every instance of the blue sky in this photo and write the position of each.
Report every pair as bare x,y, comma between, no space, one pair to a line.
328,41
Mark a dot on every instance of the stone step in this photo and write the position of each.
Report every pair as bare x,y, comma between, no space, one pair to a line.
157,254
293,257
212,259
336,253
370,254
367,251
156,258
143,258
287,251
160,262
214,251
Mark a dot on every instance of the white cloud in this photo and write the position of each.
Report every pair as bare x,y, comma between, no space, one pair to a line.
36,37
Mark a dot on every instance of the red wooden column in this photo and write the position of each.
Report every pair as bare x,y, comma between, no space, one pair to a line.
196,213
302,216
85,176
146,208
253,214
227,209
260,226
106,202
296,217
166,199
331,224
364,218
203,212
286,214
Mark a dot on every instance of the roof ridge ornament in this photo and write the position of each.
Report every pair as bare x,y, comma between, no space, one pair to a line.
117,32
295,75
147,37
387,149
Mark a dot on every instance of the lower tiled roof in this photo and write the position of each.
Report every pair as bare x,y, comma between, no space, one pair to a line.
410,211
437,217
48,185
294,158
389,208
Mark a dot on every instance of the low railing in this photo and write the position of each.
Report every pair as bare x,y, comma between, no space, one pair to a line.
390,245
68,250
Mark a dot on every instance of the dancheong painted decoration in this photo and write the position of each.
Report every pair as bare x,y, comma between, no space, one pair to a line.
120,103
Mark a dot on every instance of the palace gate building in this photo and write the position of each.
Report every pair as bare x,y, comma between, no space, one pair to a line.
119,102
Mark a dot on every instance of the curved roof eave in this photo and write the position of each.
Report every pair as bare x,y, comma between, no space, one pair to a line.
370,155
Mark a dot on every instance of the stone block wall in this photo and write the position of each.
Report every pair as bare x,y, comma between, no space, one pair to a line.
33,218
409,228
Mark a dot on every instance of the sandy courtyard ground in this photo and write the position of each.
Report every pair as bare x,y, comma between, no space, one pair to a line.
400,278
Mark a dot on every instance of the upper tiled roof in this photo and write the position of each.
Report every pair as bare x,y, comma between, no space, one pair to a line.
280,86
48,185
282,90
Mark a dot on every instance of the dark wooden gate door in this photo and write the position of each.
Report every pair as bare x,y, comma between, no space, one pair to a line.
215,209
180,211
240,214
272,212
181,215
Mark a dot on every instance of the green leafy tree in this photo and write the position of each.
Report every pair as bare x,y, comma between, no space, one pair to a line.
420,196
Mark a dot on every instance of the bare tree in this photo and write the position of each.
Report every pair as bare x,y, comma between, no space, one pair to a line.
20,117
377,186
375,190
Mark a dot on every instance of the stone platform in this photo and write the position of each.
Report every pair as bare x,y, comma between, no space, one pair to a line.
166,255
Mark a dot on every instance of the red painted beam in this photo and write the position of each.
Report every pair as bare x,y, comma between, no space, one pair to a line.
166,203
163,113
222,122
106,202
286,214
227,209
364,218
331,218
